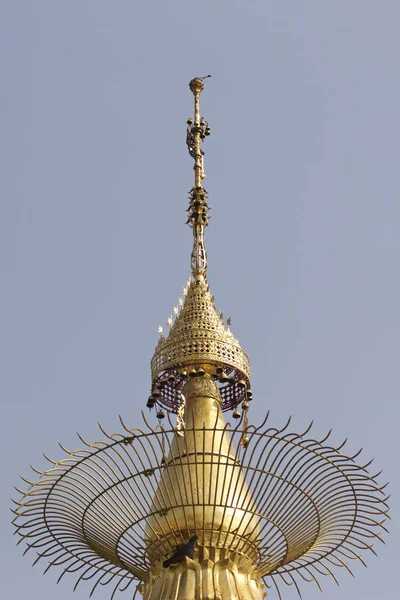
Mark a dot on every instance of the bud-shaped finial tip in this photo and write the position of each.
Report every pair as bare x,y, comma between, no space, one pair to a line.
196,85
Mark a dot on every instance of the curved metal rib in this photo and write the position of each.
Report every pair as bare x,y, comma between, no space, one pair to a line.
90,513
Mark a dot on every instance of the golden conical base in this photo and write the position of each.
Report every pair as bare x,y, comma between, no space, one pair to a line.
202,489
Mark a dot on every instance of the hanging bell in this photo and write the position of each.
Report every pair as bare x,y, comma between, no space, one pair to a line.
236,414
171,377
244,441
163,459
160,414
156,393
150,402
241,383
245,405
192,372
200,372
184,373
163,381
223,378
249,395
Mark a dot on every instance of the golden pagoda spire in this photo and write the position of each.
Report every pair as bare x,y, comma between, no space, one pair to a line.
266,506
197,130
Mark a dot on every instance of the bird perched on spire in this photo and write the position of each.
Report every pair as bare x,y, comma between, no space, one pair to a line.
181,552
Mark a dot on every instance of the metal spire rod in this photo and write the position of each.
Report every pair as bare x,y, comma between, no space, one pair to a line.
197,130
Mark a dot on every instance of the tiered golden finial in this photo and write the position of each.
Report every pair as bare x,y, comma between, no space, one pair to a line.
199,341
268,507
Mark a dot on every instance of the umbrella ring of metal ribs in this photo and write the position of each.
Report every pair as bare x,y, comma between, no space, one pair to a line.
282,509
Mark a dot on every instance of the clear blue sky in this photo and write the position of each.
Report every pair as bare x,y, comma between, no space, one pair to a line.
304,179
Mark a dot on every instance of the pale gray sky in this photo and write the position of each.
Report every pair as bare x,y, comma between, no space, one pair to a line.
303,176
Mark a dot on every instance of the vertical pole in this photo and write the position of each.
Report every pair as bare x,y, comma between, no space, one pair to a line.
196,86
199,211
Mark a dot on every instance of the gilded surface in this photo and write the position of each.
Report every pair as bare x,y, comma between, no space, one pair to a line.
217,574
214,499
199,337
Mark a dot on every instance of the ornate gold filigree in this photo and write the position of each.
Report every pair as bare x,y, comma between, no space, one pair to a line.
180,417
198,338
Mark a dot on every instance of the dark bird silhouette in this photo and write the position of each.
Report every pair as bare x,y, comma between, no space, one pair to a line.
182,551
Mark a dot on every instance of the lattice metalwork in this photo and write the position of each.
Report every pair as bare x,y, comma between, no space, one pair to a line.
167,388
198,338
312,506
